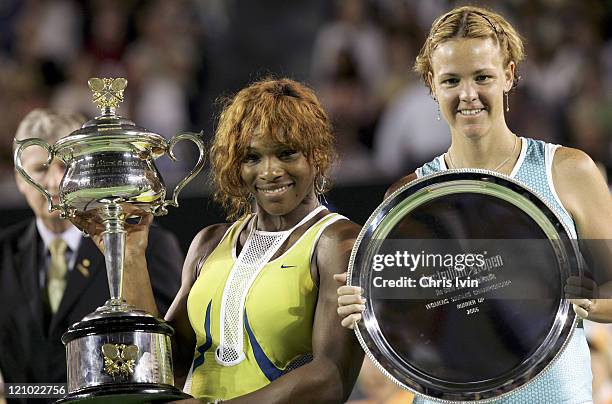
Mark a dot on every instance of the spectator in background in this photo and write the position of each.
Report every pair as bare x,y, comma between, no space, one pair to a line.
74,94
161,62
352,111
50,276
351,32
567,39
58,36
399,45
21,79
107,36
409,131
586,117
348,66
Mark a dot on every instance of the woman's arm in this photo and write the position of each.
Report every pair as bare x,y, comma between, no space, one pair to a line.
584,193
349,300
137,289
400,183
136,286
337,357
184,337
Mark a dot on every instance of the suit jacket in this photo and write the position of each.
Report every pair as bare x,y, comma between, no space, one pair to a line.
30,340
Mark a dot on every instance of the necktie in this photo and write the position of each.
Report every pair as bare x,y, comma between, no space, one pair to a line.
56,277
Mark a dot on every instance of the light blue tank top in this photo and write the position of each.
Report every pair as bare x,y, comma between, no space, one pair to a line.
568,380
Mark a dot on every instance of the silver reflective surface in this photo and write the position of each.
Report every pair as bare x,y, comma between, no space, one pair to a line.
92,178
460,345
111,160
86,362
110,178
111,175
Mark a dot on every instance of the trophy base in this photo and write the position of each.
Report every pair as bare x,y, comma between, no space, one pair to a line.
134,393
120,354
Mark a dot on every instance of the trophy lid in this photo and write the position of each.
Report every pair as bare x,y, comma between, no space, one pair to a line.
109,130
96,324
116,316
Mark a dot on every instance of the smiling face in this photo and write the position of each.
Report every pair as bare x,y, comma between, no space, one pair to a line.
469,79
257,130
278,176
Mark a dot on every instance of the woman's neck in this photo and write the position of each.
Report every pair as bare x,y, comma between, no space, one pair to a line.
497,152
268,222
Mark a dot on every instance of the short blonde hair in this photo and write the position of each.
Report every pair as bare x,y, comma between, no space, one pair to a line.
471,22
285,110
49,125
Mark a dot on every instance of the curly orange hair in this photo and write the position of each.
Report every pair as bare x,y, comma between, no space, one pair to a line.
287,111
471,22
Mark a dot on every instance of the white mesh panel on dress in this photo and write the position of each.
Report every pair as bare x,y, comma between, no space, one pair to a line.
258,249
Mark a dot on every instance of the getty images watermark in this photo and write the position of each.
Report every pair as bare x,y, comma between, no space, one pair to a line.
449,270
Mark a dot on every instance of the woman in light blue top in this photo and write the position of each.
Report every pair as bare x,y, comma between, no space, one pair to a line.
469,62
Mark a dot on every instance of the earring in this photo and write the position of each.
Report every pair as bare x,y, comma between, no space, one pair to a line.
507,102
247,201
437,113
319,184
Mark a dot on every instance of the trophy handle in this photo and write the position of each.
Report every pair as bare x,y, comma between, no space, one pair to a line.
21,146
195,138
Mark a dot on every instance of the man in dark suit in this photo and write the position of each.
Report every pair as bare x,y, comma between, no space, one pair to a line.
36,304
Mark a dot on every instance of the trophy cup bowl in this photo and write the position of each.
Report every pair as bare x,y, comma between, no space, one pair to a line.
118,352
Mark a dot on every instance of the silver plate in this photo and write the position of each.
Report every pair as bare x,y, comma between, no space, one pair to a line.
463,343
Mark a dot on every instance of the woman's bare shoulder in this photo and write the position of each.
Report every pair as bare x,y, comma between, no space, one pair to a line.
400,183
208,238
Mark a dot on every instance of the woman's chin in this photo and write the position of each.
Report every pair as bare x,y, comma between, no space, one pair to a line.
472,132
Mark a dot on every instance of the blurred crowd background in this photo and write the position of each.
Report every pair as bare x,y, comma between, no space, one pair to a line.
181,57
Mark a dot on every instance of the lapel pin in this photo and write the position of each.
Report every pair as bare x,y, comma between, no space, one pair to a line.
83,267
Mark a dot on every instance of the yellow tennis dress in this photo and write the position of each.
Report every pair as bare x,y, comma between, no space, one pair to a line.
277,307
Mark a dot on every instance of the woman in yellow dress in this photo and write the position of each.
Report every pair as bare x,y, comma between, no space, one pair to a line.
255,317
